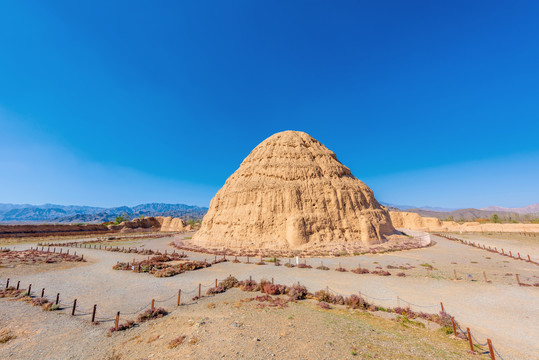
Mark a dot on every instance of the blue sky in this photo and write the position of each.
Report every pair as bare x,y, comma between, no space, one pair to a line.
429,103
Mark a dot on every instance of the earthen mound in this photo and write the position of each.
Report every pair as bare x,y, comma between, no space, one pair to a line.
291,192
169,223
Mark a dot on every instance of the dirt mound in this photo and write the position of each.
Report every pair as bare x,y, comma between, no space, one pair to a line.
415,221
289,192
171,224
158,223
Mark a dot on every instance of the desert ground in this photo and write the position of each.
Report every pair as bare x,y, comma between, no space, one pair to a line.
224,326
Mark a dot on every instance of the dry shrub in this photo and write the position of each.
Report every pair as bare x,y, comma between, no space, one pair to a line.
322,267
248,285
324,305
271,302
151,314
381,273
297,292
304,266
215,290
10,292
176,342
401,274
6,335
229,282
272,289
121,327
341,269
356,302
152,339
360,270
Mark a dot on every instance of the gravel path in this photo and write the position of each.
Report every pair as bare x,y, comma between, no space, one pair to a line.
502,311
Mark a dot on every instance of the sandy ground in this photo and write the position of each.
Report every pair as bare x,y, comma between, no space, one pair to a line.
499,310
224,326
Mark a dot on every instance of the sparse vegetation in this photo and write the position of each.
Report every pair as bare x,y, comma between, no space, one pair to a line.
150,314
176,342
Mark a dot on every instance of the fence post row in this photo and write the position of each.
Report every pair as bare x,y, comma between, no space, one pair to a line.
470,341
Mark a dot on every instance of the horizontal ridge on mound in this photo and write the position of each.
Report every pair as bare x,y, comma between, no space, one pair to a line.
292,191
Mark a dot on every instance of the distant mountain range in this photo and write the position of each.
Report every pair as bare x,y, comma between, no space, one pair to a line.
51,213
523,213
406,207
530,209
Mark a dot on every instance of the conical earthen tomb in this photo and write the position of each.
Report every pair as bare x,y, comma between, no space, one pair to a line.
289,193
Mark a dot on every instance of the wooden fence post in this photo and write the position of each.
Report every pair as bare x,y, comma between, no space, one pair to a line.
153,304
485,276
93,313
30,290
57,298
518,279
442,306
491,350
470,339
74,307
199,287
179,296
215,282
43,292
18,283
7,283
519,256
455,272
454,327
117,320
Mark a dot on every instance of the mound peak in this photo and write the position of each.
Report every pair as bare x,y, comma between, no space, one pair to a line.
291,191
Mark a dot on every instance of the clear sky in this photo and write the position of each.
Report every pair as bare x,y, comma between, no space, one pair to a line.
119,103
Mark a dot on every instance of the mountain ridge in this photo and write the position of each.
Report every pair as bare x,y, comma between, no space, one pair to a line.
26,213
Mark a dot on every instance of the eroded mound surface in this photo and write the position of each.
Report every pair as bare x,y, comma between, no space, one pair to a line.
291,192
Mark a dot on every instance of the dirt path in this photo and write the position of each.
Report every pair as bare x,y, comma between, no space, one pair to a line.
501,310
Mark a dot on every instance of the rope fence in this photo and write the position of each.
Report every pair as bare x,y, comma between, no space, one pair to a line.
97,315
490,249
